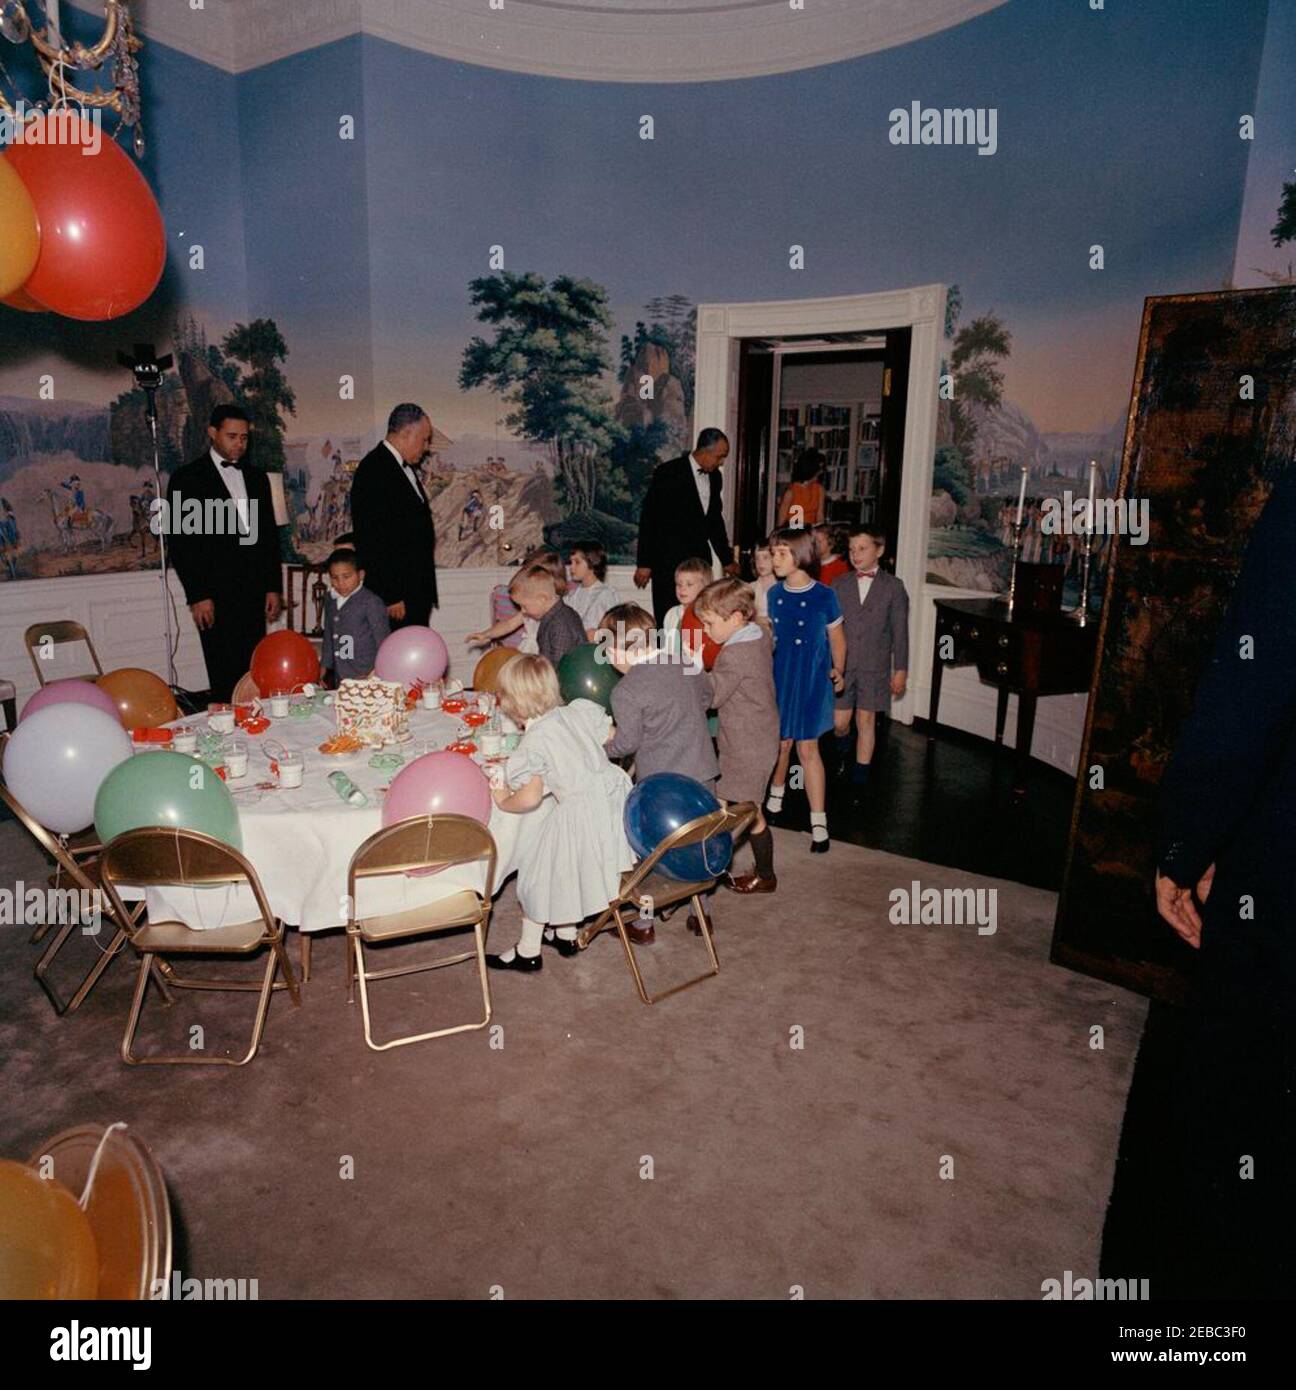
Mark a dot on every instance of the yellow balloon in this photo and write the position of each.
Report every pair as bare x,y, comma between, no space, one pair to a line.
47,1249
19,231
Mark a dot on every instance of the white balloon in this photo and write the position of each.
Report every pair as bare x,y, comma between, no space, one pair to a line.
57,757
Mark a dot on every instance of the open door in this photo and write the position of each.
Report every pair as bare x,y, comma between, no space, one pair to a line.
854,413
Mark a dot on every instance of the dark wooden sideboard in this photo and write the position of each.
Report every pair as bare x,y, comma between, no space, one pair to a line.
1028,654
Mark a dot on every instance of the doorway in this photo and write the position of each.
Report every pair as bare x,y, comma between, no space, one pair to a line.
744,352
845,400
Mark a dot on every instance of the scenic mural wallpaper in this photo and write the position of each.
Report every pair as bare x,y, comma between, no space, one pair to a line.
564,257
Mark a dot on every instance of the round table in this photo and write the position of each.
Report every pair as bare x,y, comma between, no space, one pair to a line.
300,840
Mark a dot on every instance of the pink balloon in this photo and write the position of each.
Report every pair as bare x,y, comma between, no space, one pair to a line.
438,784
70,692
412,654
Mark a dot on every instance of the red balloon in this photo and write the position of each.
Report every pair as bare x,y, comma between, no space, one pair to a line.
103,244
284,662
20,299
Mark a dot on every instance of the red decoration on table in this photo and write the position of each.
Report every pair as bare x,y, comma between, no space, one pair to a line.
152,735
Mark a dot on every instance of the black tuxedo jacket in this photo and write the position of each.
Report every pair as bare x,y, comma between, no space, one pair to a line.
673,526
220,566
394,533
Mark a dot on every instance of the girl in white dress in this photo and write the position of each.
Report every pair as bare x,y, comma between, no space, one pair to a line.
572,869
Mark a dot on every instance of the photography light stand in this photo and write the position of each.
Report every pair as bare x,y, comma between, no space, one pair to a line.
148,370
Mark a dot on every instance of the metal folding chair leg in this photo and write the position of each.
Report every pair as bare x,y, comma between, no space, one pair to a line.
364,977
628,946
276,959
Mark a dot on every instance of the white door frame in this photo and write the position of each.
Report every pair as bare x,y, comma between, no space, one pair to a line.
922,308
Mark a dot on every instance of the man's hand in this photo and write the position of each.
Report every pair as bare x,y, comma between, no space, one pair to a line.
204,614
1176,905
274,606
642,577
731,571
397,611
899,680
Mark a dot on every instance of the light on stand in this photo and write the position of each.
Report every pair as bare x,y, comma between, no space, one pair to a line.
148,370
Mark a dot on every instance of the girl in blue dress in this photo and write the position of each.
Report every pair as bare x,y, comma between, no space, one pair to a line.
809,657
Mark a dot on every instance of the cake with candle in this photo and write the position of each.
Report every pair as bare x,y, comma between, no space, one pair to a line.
371,710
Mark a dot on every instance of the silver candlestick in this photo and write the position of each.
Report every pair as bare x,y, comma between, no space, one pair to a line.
1081,615
1018,526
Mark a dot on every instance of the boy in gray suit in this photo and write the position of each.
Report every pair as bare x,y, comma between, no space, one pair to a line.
660,703
876,611
355,622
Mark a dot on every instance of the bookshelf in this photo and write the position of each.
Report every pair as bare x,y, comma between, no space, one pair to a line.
848,435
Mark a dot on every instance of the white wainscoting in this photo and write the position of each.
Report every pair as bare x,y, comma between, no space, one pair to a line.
123,613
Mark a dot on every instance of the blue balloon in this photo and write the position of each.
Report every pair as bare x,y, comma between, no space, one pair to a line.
659,805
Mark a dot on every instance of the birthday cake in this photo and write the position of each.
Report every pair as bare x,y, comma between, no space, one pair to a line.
372,710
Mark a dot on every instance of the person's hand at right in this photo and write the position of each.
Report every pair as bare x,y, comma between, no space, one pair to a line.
477,639
397,611
204,614
642,577
1176,906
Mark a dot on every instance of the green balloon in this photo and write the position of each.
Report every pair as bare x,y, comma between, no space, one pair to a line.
581,676
170,790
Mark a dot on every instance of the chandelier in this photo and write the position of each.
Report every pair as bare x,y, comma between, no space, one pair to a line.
116,47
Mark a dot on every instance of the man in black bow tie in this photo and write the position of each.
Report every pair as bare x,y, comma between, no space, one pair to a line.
394,532
229,565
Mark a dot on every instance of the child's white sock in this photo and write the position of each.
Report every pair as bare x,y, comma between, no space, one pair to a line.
566,933
774,802
532,935
818,825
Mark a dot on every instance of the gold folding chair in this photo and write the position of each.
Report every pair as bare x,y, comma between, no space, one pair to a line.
59,633
245,691
76,869
423,842
157,857
644,882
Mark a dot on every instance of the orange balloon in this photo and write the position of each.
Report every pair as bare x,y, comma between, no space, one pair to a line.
283,662
20,299
102,240
143,700
19,231
47,1247
486,676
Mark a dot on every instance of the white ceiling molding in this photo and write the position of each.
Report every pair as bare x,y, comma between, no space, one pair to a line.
591,40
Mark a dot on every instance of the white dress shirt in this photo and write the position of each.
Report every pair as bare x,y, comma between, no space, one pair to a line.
235,484
232,476
409,472
865,582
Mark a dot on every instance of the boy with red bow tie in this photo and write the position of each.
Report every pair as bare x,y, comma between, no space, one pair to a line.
875,607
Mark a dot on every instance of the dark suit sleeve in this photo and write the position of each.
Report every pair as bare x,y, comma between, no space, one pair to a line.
366,522
900,627
1245,706
328,657
716,532
185,552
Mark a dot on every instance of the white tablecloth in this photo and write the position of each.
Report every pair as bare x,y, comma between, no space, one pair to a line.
300,840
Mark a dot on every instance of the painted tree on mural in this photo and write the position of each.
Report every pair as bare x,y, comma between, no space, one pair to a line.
547,361
262,387
977,378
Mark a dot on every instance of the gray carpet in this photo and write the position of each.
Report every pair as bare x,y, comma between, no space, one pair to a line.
522,1168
